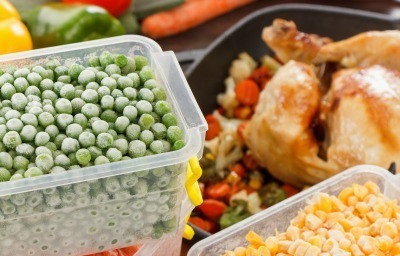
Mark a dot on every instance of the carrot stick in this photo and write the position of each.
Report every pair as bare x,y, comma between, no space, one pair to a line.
187,16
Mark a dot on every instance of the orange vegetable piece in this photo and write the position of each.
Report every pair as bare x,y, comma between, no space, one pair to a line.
238,169
247,92
214,127
212,208
243,112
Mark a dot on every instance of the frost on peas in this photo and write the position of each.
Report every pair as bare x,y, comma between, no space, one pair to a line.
130,93
109,116
159,130
6,103
67,91
146,121
52,64
146,74
57,169
107,102
169,120
113,154
146,94
87,139
101,160
23,72
86,76
121,145
135,79
74,71
147,137
103,91
141,61
137,148
106,58
104,140
29,119
28,133
46,84
113,134
83,156
93,85
95,152
3,120
45,119
52,131
133,132
174,133
40,70
34,79
90,110
109,82
81,119
162,108
64,79
121,103
43,150
77,105
25,150
63,120
143,107
33,90
100,126
91,121
63,106
112,69
60,71
129,67
44,162
49,95
7,91
63,161
41,138
5,174
11,114
121,124
14,125
20,163
93,61
151,84
69,145
59,139
6,160
50,145
90,96
100,76
74,130
33,172
11,140
21,84
3,131
116,93
124,82
130,112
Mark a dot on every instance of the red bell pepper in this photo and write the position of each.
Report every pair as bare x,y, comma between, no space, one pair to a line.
115,7
212,208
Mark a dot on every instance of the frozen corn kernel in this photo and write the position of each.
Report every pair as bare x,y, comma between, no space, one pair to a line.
389,229
329,245
360,191
313,222
372,188
385,243
345,194
368,244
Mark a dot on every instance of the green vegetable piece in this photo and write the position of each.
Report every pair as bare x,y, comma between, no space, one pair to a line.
122,145
34,79
67,91
133,132
178,145
44,162
17,176
63,161
3,131
94,61
6,78
33,172
130,112
109,116
101,160
57,169
86,76
41,138
52,64
103,91
29,119
137,148
74,130
121,124
46,84
100,126
49,95
238,211
2,120
77,105
141,61
112,69
157,147
90,110
33,90
110,83
81,120
52,131
14,125
23,72
121,60
113,154
60,71
104,140
69,145
159,130
6,160
146,94
121,103
46,119
135,79
12,114
106,58
151,84
5,175
144,107
130,93
116,93
21,84
124,82
169,120
147,137
40,70
174,133
25,150
129,67
146,74
162,108
11,140
63,106
63,120
64,79
146,121
7,91
83,156
95,152
87,139
74,71
107,102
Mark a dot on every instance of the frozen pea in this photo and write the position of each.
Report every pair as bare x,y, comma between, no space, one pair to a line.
141,61
159,94
178,145
6,78
33,172
29,119
146,74
92,120
28,133
113,133
74,167
46,102
74,130
103,91
77,105
151,84
100,126
94,61
4,110
57,169
159,130
147,137
121,124
50,74
135,79
11,140
137,148
116,93
19,163
169,120
6,160
44,162
124,82
62,160
42,150
121,60
162,107
64,79
157,147
69,145
63,106
34,79
146,94
45,119
100,76
32,90
17,176
49,95
57,153
143,107
90,110
6,103
121,145
106,58
52,64
86,76
115,76
72,158
50,145
40,70
107,102
109,82
59,139
92,85
126,158
174,133
3,120
21,84
52,131
61,71
23,72
130,112
81,120
11,114
14,125
101,160
133,132
146,121
83,156
67,91
129,67
87,139
74,71
104,140
112,69
95,152
57,87
25,150
3,131
78,93
41,138
49,109
46,84
109,116
33,98
130,93
7,91
113,154
63,120
5,174
120,104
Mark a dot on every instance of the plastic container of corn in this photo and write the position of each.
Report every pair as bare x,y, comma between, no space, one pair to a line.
106,206
278,216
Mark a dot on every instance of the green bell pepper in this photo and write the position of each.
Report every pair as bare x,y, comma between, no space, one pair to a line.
57,24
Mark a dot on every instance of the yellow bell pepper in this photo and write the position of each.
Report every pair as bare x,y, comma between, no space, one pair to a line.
14,36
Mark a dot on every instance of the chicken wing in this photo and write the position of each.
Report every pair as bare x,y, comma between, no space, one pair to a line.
363,50
279,133
290,44
362,114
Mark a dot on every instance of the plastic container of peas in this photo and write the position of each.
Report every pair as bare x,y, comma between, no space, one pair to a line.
96,208
278,216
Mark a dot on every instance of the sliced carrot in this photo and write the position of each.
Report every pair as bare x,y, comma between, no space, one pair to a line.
247,92
250,162
238,169
243,112
218,190
187,16
214,127
212,208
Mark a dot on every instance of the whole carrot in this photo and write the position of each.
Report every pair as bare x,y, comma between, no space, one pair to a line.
186,16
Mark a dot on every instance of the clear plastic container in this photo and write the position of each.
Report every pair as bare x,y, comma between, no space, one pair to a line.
107,206
278,216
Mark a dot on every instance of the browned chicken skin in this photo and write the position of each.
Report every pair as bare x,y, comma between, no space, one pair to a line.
290,44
